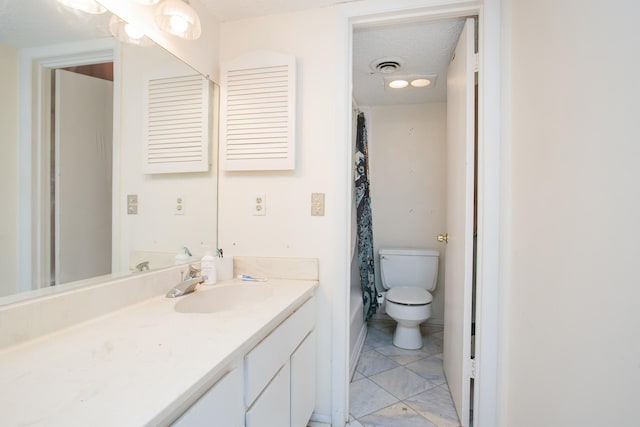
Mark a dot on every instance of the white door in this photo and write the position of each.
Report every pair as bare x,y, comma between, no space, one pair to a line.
83,176
460,181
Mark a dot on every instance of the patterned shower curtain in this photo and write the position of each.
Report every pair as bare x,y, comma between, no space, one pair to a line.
365,230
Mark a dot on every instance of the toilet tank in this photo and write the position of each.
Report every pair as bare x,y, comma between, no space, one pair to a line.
409,267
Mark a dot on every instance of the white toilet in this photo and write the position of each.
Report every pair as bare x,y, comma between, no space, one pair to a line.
408,275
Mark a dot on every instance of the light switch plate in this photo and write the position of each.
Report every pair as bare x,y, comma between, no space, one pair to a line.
132,204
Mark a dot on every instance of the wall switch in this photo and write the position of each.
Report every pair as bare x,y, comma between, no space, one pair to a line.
259,204
178,207
132,204
317,204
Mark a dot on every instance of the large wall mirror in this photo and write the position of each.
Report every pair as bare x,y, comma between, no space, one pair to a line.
79,207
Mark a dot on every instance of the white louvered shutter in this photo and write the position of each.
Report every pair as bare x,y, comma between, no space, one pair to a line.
177,124
258,112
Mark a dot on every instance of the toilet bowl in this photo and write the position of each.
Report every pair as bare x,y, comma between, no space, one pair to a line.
409,307
408,275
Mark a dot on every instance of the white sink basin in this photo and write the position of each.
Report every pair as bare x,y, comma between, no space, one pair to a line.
223,298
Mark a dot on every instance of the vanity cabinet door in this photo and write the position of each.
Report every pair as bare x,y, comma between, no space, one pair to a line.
272,407
303,381
221,405
266,358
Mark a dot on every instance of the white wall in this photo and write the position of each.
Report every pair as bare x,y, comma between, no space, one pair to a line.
9,170
156,227
572,314
288,229
407,147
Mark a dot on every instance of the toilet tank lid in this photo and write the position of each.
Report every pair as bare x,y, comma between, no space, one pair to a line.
409,252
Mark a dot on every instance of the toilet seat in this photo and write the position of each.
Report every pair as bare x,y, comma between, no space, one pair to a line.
409,295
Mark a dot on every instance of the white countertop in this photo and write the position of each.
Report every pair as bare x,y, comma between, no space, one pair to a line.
141,365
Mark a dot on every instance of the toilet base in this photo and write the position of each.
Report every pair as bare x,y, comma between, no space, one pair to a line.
408,337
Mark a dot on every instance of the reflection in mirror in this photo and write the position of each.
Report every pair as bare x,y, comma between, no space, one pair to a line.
80,207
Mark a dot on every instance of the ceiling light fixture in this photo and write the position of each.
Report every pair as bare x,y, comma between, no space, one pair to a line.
127,33
398,84
177,17
89,6
417,81
420,82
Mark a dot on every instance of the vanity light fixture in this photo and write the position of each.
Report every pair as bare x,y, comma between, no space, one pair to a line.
127,33
89,6
177,17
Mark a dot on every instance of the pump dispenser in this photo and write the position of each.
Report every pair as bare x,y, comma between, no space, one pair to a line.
208,267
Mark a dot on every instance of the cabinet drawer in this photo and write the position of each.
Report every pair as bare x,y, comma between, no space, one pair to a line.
262,363
221,405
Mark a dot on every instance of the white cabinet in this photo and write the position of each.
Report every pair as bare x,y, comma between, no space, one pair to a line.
221,405
283,365
274,387
303,381
272,408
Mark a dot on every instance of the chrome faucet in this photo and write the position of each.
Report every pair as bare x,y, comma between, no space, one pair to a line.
143,266
187,285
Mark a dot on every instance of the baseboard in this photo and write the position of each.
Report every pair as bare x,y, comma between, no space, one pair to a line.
319,420
355,354
435,322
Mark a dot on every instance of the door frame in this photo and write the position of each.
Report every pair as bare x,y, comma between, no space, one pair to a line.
349,15
34,136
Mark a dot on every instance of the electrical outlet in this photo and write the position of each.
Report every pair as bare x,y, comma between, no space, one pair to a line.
132,204
317,204
259,204
178,207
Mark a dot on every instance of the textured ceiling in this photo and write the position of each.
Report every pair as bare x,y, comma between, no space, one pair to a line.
424,48
230,10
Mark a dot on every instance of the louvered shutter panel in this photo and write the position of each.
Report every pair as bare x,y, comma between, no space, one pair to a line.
258,112
177,124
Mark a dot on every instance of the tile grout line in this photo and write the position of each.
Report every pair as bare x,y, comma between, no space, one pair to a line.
402,401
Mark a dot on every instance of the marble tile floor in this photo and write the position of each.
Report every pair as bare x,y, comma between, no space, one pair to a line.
393,387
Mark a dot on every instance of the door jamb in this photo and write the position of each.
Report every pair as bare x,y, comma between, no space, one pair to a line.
486,409
34,141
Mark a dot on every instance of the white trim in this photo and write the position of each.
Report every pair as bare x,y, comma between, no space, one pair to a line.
488,275
30,137
357,351
486,404
116,209
319,420
340,304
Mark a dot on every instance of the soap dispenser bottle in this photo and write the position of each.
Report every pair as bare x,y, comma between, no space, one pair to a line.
208,268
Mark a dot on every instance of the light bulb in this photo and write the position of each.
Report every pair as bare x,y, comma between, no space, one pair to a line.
133,31
178,24
177,17
420,82
398,84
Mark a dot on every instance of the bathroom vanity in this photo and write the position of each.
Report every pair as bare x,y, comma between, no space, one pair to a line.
243,362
